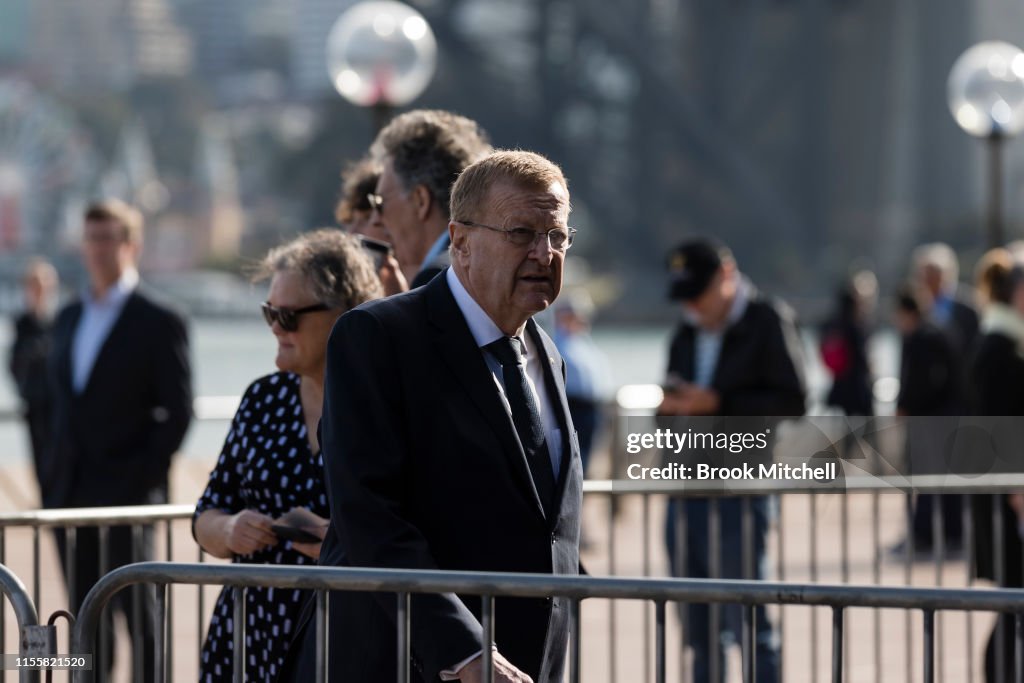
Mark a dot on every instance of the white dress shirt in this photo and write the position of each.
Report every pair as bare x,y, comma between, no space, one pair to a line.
94,325
484,332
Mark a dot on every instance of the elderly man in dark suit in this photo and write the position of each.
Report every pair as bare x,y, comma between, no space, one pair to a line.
448,443
122,401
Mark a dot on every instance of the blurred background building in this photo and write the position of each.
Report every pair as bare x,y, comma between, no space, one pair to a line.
813,136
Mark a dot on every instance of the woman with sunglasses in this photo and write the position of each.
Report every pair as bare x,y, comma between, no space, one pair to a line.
268,480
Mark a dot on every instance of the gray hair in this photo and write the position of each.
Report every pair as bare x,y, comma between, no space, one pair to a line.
339,271
940,256
430,147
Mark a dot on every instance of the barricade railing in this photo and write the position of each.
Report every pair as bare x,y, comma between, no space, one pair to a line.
793,496
804,501
31,639
69,522
488,586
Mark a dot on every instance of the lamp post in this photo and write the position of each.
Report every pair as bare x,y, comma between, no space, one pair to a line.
986,96
381,54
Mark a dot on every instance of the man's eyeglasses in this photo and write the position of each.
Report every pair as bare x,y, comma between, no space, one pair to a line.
376,202
288,318
560,239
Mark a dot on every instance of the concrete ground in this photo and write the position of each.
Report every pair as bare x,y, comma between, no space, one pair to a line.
891,656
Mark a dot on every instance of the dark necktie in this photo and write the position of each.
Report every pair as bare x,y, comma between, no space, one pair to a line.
525,414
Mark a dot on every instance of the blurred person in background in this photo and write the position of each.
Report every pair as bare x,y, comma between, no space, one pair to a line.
843,345
950,309
30,350
736,353
587,372
420,154
996,381
931,384
121,404
271,464
354,214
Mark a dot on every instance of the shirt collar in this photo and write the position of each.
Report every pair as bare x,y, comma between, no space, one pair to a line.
440,245
736,311
481,326
117,293
739,303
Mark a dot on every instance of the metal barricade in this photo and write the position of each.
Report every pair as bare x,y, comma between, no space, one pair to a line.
69,524
32,639
821,547
403,583
849,547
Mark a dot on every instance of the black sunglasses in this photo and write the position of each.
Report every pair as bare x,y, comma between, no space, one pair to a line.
288,318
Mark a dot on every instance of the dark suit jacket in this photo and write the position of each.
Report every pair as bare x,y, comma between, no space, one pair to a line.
424,470
760,365
430,270
997,381
112,444
931,373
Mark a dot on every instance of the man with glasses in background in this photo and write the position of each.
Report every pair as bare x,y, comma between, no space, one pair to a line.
420,154
448,442
122,401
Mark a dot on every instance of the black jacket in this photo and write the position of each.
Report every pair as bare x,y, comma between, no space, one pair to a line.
430,270
760,365
424,470
112,444
997,389
931,379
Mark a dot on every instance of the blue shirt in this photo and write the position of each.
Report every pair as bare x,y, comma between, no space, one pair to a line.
98,318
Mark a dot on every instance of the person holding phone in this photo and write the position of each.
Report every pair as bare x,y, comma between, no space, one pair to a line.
735,354
265,502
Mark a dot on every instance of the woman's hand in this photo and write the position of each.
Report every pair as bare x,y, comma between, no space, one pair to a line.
224,535
247,531
314,524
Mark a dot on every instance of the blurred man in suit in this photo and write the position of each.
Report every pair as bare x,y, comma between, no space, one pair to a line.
122,401
420,154
448,442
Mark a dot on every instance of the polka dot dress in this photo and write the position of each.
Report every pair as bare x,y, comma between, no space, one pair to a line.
266,465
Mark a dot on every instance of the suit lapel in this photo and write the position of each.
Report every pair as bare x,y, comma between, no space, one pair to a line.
549,358
458,349
66,341
110,349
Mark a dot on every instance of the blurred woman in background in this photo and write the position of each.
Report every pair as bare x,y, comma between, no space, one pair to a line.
271,465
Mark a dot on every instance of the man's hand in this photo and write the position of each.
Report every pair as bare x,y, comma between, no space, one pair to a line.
248,531
504,672
689,400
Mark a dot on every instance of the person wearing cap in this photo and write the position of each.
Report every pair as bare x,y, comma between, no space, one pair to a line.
735,353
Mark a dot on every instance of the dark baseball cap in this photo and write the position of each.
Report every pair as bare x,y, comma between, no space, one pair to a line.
692,266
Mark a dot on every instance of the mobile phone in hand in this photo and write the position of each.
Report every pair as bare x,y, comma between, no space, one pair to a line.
377,249
294,533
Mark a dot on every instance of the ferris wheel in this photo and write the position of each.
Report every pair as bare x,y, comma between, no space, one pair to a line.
43,169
